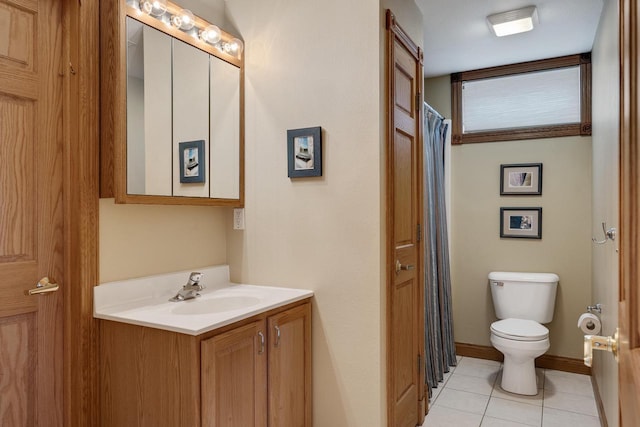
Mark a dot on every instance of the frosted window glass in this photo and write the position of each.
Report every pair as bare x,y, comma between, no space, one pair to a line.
523,100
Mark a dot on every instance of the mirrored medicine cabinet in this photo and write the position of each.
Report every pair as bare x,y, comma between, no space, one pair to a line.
172,122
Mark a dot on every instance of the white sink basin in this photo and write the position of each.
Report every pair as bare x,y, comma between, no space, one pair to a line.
214,305
145,301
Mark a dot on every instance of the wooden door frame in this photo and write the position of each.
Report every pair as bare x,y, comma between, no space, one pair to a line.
629,292
80,194
395,32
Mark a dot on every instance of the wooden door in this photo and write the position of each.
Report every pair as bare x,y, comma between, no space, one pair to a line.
31,221
289,371
234,378
405,306
629,306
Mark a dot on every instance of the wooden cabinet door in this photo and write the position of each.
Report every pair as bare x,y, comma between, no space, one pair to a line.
289,371
233,378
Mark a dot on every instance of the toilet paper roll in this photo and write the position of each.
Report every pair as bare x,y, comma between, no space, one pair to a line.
589,323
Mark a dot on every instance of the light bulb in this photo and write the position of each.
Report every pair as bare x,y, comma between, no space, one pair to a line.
236,46
211,34
183,20
154,7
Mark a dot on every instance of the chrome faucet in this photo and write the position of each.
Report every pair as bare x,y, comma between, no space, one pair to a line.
191,289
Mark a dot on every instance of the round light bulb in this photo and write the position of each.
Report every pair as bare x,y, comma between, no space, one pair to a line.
154,7
183,20
236,46
211,34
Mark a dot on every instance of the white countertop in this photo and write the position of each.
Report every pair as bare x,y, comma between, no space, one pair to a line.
145,301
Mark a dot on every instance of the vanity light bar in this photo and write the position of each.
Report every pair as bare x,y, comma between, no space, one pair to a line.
183,19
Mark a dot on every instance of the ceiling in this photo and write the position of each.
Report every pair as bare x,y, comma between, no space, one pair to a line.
457,37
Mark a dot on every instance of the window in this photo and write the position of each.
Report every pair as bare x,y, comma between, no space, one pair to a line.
539,99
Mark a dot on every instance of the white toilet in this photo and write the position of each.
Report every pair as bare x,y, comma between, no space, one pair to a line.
522,301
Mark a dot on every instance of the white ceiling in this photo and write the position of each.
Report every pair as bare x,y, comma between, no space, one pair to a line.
457,37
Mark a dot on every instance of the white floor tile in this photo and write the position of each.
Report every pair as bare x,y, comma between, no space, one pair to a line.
463,401
474,361
556,418
571,402
471,395
435,392
531,400
497,422
447,375
471,384
566,382
478,367
509,410
540,378
440,416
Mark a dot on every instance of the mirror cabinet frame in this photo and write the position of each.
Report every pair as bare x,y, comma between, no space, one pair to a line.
113,95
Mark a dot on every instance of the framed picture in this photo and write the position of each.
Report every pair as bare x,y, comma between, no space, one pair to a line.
522,223
191,158
304,150
521,180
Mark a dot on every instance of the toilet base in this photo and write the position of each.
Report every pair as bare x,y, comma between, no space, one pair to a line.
519,376
519,371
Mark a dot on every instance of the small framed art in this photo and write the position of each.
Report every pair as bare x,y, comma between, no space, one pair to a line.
521,180
521,223
304,151
191,158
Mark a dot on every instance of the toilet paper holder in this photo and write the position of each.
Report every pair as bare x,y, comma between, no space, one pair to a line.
592,308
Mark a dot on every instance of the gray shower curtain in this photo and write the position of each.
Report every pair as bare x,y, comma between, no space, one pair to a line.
439,344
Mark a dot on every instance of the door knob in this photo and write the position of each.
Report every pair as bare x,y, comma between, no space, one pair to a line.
43,286
399,266
596,342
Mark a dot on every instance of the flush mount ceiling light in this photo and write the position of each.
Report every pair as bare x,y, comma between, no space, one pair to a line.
513,21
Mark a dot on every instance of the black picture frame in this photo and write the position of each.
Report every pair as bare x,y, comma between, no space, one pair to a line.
191,158
523,179
521,223
304,152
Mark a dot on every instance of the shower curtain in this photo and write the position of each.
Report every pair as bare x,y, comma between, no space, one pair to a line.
439,344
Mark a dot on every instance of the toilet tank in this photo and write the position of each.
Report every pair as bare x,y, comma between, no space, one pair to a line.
529,296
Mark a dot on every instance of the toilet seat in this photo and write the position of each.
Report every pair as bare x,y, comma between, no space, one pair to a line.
519,330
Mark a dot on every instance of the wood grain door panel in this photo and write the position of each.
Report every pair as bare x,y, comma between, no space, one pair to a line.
234,378
31,217
629,305
405,386
289,372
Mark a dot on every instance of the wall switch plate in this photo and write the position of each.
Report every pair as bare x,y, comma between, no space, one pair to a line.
238,219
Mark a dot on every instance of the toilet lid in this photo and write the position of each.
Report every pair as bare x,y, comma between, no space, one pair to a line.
519,330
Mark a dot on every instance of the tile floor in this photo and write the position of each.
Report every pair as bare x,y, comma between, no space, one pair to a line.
470,396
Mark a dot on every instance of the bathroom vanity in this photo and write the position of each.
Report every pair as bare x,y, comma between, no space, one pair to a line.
239,355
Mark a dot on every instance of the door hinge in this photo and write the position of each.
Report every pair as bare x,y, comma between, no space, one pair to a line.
419,233
418,96
419,363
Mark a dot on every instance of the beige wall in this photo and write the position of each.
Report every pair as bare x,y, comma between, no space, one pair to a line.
318,64
140,240
476,245
605,196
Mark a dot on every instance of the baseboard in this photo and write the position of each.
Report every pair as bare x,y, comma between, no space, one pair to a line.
599,403
478,351
558,363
